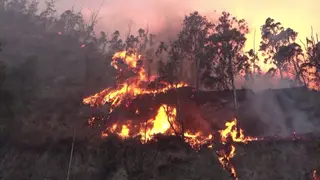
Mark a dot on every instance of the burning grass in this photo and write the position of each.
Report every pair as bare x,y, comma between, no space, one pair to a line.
165,121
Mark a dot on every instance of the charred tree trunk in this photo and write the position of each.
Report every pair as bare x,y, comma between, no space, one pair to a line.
181,69
197,75
104,47
281,73
179,119
235,103
298,73
234,91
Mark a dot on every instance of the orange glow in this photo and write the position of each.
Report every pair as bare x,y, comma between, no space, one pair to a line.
231,131
164,19
131,87
315,175
300,16
159,124
165,121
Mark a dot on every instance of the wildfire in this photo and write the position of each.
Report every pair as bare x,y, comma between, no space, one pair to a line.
165,120
160,124
163,123
232,131
131,87
231,134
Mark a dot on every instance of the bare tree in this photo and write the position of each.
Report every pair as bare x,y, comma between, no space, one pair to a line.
94,19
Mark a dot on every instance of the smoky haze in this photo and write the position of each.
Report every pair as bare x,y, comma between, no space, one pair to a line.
48,66
118,13
52,72
162,17
280,113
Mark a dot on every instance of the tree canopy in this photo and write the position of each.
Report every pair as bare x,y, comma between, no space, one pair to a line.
205,53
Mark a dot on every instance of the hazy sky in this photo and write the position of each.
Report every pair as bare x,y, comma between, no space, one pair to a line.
164,16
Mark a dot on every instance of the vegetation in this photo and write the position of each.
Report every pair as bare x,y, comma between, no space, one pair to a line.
40,47
49,61
211,50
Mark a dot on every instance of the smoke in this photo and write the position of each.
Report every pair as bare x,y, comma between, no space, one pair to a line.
160,16
164,18
282,108
258,83
282,112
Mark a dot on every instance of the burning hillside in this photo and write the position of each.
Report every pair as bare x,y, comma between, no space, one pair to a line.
133,83
142,106
149,127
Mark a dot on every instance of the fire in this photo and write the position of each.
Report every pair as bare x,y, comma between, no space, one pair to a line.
163,123
132,86
131,59
165,120
231,134
160,124
315,176
232,131
196,140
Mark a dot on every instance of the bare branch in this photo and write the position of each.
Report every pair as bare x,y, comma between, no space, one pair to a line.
129,29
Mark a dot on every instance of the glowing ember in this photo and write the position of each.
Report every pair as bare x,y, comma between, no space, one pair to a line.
91,121
315,175
197,139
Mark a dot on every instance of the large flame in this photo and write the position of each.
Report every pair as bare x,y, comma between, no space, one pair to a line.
131,87
163,123
165,120
160,124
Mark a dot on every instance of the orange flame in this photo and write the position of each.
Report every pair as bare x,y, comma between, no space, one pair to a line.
236,135
165,121
159,124
131,88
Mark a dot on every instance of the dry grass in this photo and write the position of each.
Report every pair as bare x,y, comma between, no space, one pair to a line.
287,160
167,159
